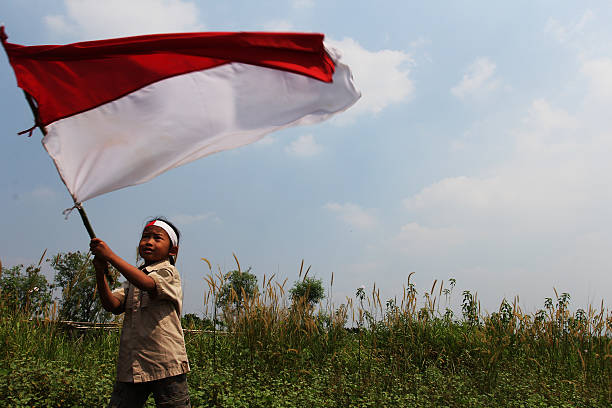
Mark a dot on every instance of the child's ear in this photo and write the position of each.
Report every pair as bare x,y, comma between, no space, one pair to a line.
173,251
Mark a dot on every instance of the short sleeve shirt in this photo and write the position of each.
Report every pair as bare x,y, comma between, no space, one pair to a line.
152,345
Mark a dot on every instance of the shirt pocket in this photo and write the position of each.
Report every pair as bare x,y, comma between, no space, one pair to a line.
145,300
128,298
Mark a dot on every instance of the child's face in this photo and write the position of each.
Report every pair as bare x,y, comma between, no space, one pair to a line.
155,245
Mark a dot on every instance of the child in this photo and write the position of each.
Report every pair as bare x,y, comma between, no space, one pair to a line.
152,356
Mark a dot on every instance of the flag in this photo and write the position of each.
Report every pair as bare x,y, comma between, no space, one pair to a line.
119,112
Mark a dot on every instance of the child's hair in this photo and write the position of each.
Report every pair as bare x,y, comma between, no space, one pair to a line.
176,231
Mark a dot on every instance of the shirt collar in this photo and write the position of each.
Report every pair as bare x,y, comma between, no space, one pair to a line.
155,266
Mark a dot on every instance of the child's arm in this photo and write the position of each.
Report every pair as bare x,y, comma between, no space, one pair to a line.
137,277
109,302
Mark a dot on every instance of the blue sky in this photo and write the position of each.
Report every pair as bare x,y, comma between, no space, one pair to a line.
479,151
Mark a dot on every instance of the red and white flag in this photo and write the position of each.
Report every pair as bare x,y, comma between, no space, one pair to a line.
119,112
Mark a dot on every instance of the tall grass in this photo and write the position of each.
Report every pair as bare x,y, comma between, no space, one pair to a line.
274,351
564,353
42,364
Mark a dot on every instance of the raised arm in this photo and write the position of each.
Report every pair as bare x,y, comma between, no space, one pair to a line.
109,302
137,277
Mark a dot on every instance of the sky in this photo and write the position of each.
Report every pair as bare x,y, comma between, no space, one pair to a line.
479,151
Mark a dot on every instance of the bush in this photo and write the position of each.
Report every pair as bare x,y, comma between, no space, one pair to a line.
76,277
309,291
25,290
238,288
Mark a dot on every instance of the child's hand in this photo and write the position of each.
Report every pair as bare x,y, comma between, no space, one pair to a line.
100,249
100,264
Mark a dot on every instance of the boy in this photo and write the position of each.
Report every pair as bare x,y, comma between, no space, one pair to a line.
152,356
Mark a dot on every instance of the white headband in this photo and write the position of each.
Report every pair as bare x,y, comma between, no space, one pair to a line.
169,230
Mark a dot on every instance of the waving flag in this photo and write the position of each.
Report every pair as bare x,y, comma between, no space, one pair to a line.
119,112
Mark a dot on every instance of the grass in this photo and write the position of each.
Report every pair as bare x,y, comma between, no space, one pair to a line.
365,353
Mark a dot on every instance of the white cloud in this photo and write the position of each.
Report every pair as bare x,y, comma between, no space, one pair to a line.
268,140
420,42
599,74
186,219
353,215
547,130
58,25
382,76
464,193
565,33
41,193
302,4
586,35
93,19
514,203
418,239
543,117
304,146
278,25
478,81
536,215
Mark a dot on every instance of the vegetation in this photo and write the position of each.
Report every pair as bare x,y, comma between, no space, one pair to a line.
309,290
366,353
192,321
25,290
76,278
237,287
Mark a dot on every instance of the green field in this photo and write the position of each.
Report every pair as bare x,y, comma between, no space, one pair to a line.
366,353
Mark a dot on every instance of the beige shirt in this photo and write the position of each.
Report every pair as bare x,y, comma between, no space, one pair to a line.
152,345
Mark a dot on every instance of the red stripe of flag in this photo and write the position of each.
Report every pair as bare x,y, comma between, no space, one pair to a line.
69,79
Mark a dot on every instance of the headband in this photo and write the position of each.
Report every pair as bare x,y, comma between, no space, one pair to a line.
169,230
